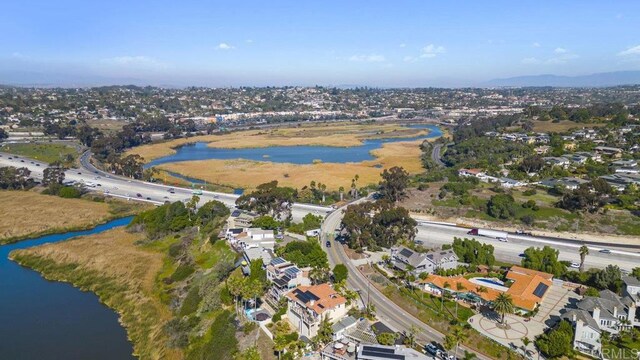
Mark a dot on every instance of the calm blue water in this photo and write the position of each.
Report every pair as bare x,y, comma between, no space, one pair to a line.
487,281
41,319
290,154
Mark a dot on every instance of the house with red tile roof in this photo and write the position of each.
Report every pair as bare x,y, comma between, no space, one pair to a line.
526,287
308,305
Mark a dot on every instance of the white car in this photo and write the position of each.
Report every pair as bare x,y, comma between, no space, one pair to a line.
575,265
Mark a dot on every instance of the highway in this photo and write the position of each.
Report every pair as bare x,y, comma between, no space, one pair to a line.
435,235
386,310
131,189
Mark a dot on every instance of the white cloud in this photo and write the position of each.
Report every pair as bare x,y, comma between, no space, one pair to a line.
536,44
138,62
20,56
431,51
530,61
560,56
403,45
410,59
368,58
249,41
632,51
224,46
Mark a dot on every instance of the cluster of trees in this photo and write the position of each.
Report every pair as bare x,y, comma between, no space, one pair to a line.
544,259
588,197
376,224
613,111
473,252
477,127
176,216
558,342
304,253
12,178
609,278
485,152
269,199
53,178
502,206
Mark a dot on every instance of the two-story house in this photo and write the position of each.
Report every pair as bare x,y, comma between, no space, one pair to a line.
308,305
406,259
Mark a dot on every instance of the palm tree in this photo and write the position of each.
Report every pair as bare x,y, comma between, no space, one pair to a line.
235,285
459,288
411,334
459,335
341,190
584,251
446,286
503,304
526,341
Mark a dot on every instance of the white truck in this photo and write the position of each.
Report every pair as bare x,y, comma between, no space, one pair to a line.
494,234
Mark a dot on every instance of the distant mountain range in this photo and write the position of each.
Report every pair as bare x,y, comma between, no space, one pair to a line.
52,79
593,80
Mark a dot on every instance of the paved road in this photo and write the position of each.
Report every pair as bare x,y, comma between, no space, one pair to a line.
386,310
118,186
436,155
435,235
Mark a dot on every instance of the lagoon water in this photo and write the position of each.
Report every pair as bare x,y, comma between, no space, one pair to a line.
41,319
290,154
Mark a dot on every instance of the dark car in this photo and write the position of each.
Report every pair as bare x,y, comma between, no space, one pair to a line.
37,164
148,198
139,195
431,349
605,251
328,243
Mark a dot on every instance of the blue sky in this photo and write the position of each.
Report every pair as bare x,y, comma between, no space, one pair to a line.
377,43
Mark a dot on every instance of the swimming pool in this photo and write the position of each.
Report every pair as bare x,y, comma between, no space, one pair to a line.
492,283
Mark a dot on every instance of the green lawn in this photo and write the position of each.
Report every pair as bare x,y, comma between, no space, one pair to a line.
43,152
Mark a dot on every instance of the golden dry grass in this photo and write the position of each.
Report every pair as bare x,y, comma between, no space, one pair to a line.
121,273
248,174
26,213
344,135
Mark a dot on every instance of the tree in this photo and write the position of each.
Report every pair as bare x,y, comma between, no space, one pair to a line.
545,259
501,206
53,175
454,338
234,286
268,199
608,278
503,304
192,205
473,252
557,342
411,334
394,183
386,338
636,272
526,341
251,353
532,164
265,222
325,331
340,272
584,251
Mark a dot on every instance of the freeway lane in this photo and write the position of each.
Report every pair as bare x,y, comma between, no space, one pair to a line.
436,235
386,310
158,193
129,188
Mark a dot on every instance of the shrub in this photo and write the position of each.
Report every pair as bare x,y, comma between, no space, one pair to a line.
191,301
182,272
69,192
